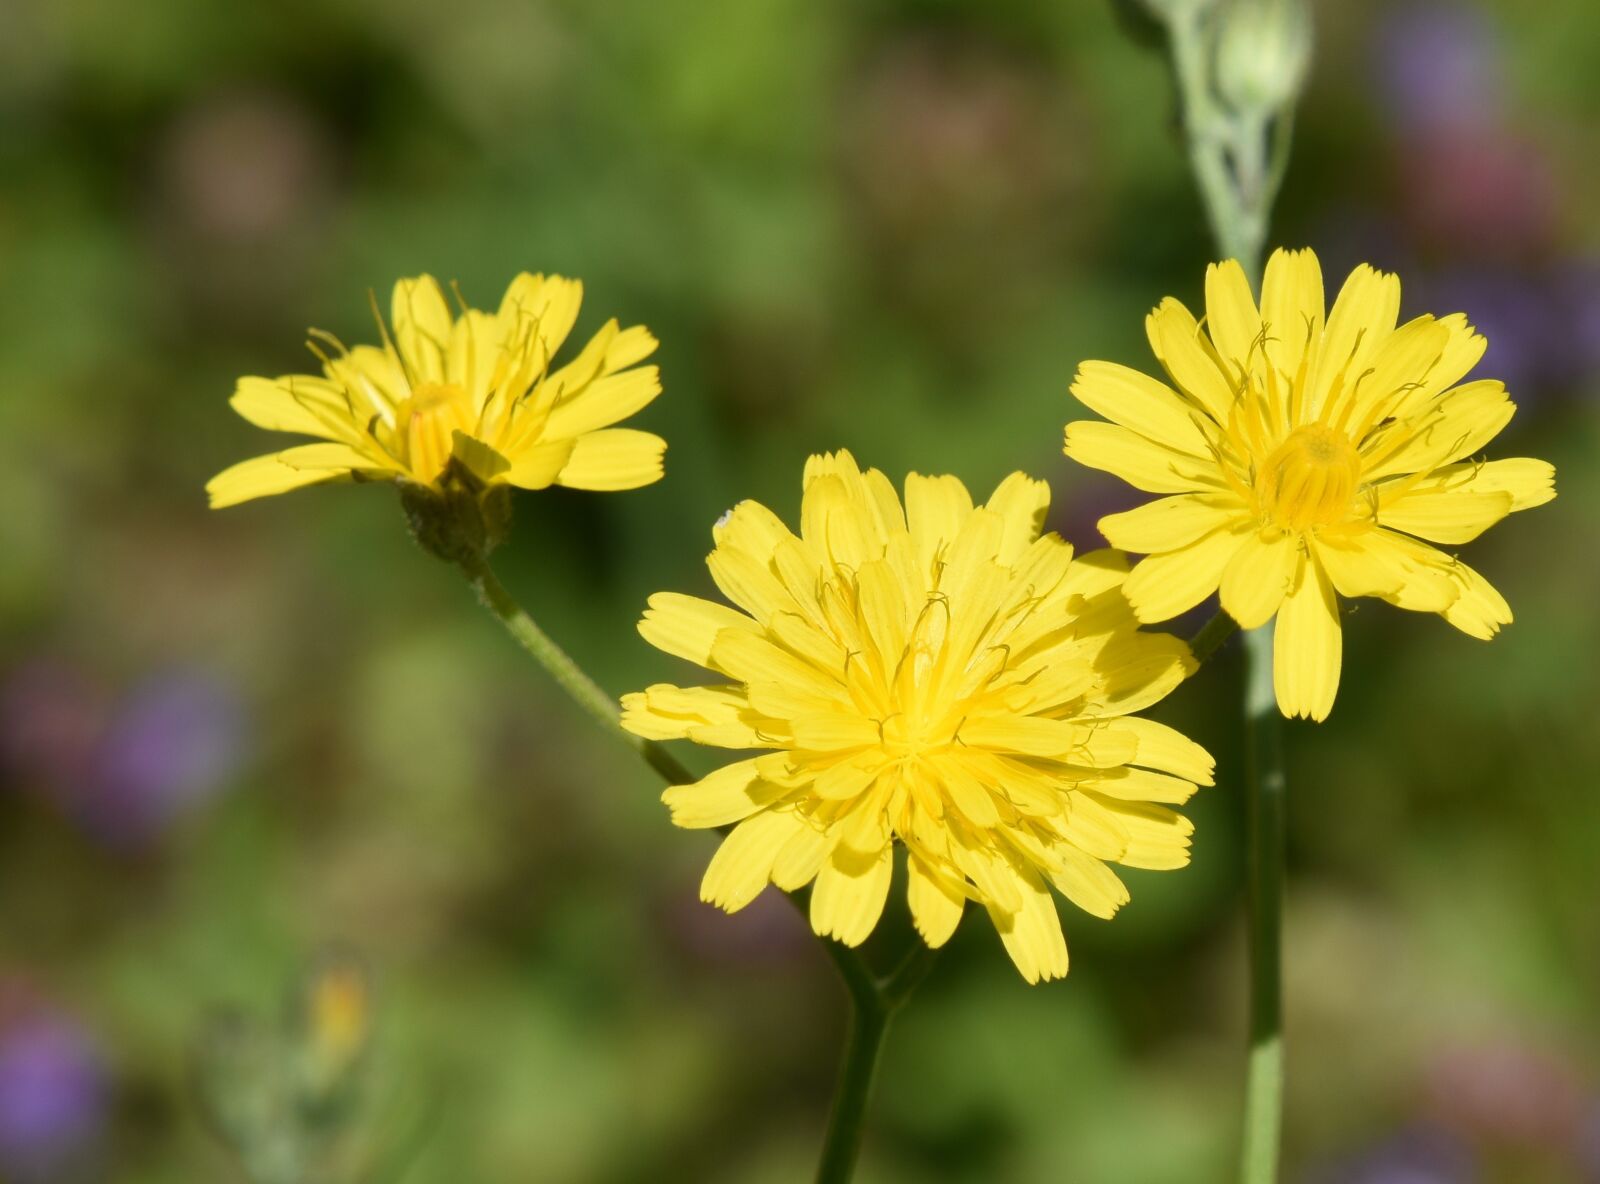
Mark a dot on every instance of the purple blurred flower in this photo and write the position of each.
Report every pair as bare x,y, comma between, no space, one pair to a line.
122,768
174,742
1437,67
1543,327
52,1097
1416,1155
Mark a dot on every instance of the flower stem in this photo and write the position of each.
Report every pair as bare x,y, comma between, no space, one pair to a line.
873,1000
1239,160
1263,1104
1205,643
569,676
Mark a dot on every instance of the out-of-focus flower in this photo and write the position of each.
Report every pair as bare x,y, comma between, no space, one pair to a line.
1437,66
336,1018
124,768
1417,1155
53,1094
939,674
1305,457
467,397
174,741
290,1098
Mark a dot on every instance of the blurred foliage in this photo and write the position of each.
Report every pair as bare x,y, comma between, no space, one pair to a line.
891,225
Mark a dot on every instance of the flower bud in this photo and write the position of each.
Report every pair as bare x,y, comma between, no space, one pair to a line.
1263,53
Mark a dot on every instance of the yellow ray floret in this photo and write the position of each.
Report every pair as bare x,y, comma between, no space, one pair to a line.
470,386
931,672
1305,457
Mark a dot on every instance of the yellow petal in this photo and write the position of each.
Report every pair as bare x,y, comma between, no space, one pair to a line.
1457,424
1171,523
936,509
1257,577
1463,350
422,324
1480,610
1231,316
539,465
742,866
1529,482
707,715
548,305
1169,750
1292,306
1306,645
1184,352
1142,405
1087,882
687,626
1032,933
1021,503
296,403
604,402
800,858
1363,316
1406,573
1444,516
279,472
1143,464
935,905
1162,586
1158,838
1136,670
847,898
1403,360
614,458
1140,785
1025,734
728,795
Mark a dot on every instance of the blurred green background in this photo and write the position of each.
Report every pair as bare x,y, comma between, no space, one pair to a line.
232,743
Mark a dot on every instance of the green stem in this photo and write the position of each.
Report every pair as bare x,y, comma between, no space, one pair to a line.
874,1003
1205,643
873,1000
569,676
1265,774
1239,163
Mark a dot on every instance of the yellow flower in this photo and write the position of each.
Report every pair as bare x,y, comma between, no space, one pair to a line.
1305,457
475,387
940,674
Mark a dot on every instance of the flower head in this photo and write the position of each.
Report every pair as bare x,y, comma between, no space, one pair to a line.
456,397
936,673
1305,458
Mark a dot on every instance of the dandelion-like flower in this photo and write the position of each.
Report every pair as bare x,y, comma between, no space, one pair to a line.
469,394
1305,458
936,673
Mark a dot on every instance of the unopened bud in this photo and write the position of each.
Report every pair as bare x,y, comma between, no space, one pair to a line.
1263,53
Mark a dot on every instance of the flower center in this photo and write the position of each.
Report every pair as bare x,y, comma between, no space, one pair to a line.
428,422
1309,479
